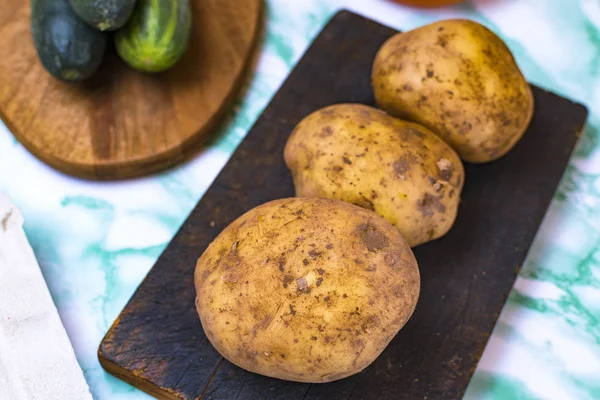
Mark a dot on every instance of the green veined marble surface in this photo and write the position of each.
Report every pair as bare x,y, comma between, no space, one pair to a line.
96,241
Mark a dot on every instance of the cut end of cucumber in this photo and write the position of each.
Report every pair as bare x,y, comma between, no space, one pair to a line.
70,75
103,25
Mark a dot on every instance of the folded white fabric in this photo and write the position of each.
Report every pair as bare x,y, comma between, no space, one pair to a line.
37,360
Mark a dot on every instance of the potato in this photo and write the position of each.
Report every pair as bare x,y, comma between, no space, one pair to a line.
460,80
306,289
398,169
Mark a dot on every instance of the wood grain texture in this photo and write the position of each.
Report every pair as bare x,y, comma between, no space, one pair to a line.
123,123
157,343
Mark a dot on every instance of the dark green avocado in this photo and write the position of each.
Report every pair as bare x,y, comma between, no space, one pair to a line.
68,48
105,15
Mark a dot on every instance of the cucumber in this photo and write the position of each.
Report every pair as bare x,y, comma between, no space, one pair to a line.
105,15
156,36
68,48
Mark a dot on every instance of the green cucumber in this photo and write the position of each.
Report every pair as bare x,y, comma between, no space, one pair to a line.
105,15
156,36
68,48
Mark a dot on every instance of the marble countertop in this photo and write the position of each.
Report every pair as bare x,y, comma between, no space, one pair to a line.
96,241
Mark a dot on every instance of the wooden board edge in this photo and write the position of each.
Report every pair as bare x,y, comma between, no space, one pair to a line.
134,380
583,107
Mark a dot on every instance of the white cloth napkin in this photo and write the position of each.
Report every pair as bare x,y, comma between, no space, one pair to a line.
36,357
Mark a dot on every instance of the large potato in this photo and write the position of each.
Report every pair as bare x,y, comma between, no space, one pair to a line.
306,289
460,80
398,169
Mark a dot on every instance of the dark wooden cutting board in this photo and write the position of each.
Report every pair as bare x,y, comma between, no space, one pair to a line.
158,345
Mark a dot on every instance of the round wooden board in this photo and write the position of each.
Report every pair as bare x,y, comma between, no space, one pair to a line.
123,123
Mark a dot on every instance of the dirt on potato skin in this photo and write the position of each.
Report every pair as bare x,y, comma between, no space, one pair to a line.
285,324
380,163
479,102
